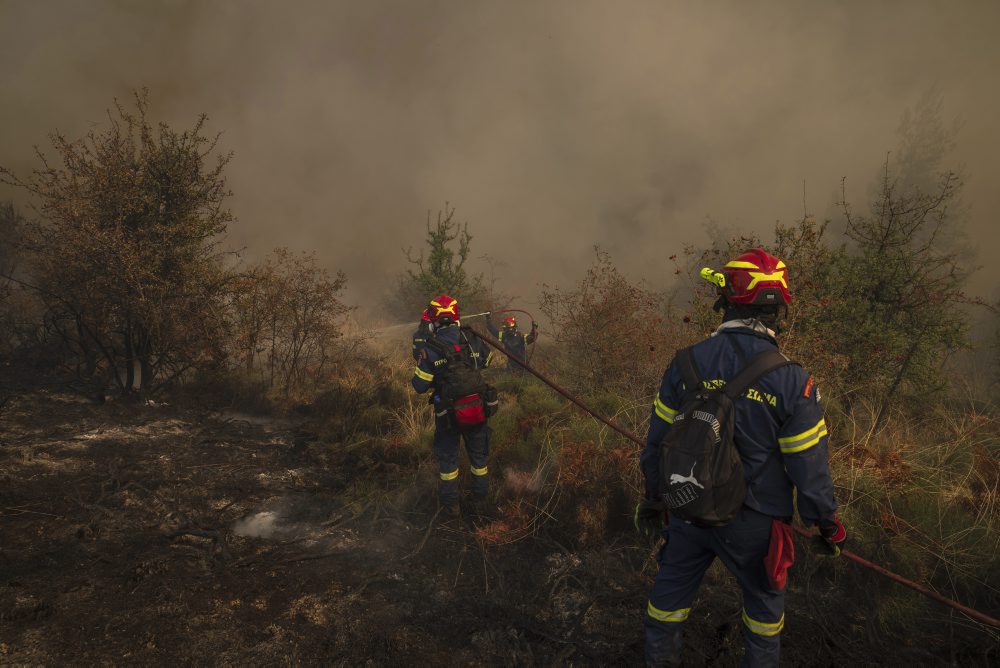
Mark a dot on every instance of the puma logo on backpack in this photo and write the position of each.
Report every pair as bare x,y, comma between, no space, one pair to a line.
676,478
701,472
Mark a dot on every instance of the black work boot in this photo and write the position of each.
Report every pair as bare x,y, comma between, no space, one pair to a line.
483,507
450,510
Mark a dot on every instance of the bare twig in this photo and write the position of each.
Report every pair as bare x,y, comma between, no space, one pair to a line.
341,520
34,512
314,557
427,534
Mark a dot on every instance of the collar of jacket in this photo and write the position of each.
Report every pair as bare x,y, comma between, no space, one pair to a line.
446,332
753,325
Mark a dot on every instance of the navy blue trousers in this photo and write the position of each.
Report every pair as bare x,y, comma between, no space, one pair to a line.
477,447
690,550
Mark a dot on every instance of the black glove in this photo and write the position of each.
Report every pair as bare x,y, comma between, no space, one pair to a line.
648,519
831,538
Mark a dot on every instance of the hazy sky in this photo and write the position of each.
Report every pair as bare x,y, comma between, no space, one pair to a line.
551,126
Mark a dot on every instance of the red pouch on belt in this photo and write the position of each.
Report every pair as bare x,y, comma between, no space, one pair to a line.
780,554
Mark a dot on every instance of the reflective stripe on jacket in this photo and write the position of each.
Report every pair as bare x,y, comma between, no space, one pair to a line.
780,430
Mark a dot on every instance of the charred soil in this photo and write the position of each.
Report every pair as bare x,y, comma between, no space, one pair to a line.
154,535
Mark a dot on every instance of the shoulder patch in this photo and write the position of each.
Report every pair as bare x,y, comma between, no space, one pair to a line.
811,389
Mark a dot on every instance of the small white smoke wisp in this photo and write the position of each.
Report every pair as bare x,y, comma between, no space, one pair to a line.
523,482
259,525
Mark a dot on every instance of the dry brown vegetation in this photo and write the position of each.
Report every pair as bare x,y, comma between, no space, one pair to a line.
199,464
192,533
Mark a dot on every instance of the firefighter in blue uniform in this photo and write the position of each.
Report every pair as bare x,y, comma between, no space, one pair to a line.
431,368
420,335
782,439
515,342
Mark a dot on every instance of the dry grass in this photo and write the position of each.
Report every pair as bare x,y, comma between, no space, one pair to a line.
413,420
921,495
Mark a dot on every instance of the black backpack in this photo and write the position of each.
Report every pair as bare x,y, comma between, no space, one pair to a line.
467,398
701,472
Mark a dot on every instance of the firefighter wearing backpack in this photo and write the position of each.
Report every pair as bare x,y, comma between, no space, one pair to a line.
777,440
449,366
515,342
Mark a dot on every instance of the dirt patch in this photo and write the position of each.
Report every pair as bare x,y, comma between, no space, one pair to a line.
148,534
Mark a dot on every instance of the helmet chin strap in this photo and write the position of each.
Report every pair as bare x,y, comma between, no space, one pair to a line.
755,318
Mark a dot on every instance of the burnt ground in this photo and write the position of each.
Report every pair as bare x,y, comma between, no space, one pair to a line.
154,535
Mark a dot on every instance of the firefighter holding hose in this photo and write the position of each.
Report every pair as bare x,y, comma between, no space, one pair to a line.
515,342
775,427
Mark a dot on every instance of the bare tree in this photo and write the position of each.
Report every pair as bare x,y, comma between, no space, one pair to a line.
611,334
125,252
287,319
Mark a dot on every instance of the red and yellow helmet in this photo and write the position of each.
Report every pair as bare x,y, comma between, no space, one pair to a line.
443,310
509,321
754,278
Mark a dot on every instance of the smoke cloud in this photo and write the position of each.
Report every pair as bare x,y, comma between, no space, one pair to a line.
551,126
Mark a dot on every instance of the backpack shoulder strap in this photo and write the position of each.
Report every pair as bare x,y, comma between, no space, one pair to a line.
464,349
760,365
689,371
437,346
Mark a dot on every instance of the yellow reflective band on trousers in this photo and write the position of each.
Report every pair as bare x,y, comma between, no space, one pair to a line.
482,471
803,441
764,628
450,476
667,615
663,411
423,375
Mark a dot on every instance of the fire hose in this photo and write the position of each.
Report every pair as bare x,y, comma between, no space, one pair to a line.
974,614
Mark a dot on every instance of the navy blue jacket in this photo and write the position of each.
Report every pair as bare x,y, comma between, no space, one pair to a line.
432,364
514,340
780,430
